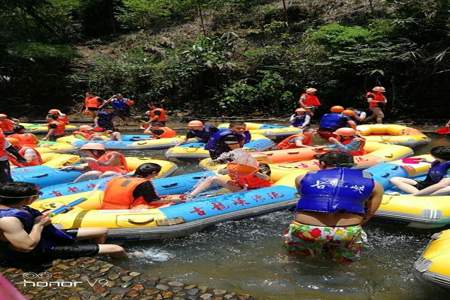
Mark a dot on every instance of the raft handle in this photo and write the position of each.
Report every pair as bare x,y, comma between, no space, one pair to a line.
170,185
141,222
294,152
40,176
389,156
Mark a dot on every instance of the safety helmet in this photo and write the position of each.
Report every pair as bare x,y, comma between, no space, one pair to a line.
93,146
337,109
311,90
379,89
349,112
195,123
301,109
13,141
53,111
147,169
3,116
345,131
86,128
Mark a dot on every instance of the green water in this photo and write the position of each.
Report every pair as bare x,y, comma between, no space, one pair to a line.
247,256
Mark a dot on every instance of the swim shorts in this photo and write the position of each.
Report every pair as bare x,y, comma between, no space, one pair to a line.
73,251
342,244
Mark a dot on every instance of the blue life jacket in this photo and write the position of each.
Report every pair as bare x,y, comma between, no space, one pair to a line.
335,190
214,143
105,120
202,135
333,121
119,104
50,236
437,171
298,120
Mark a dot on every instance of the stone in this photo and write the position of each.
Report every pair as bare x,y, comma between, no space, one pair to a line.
193,291
191,286
151,291
229,296
175,284
74,298
206,296
167,294
126,285
126,278
137,287
133,294
113,276
162,287
134,274
63,267
203,288
219,292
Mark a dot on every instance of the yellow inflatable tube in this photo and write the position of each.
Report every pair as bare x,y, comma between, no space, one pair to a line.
434,264
393,134
58,160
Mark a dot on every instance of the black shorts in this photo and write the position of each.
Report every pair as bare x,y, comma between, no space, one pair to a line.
423,184
73,251
92,108
5,171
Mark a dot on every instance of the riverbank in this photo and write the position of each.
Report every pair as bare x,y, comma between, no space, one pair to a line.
91,278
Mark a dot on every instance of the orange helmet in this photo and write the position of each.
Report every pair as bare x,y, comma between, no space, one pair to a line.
93,146
337,109
345,131
349,112
311,90
15,142
3,116
379,89
301,109
195,123
53,111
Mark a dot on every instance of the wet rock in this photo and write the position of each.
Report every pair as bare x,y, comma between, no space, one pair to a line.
206,296
133,294
193,291
167,294
150,283
203,288
137,287
175,284
126,278
230,296
151,291
63,266
162,287
126,285
191,286
134,274
74,298
113,276
219,292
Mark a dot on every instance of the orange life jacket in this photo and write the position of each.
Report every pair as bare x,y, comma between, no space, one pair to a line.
3,151
60,129
26,139
377,98
310,100
91,102
251,181
121,168
7,125
35,162
162,116
119,193
360,150
289,143
167,133
64,119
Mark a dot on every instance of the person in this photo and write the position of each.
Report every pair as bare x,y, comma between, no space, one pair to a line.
332,121
25,139
5,150
347,140
31,155
309,100
7,124
334,204
301,118
358,116
84,132
61,117
156,114
228,139
244,173
135,192
110,136
56,129
300,140
27,236
432,183
92,104
121,105
100,163
377,101
197,129
158,131
104,119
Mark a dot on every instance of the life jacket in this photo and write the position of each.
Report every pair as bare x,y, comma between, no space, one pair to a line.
298,120
121,104
289,142
83,134
64,119
335,190
26,139
166,133
204,134
91,102
310,100
162,116
105,120
50,236
332,121
437,171
246,179
3,152
214,142
60,129
360,150
119,193
7,125
121,168
37,161
377,98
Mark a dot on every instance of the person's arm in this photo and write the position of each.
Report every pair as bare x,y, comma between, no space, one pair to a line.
351,124
298,181
374,202
12,150
307,121
448,124
14,232
156,116
291,119
300,101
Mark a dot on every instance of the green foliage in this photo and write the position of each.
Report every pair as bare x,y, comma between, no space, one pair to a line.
37,50
336,36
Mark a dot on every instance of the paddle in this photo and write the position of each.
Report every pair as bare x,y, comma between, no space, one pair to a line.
65,208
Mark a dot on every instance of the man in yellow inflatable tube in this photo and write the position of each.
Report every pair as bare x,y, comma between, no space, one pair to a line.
334,204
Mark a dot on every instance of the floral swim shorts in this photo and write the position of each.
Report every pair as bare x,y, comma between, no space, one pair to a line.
343,244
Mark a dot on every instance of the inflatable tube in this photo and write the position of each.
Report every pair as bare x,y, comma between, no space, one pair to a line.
125,138
376,153
164,186
415,211
172,221
393,134
196,149
136,145
268,130
55,148
57,160
433,266
44,176
254,126
42,128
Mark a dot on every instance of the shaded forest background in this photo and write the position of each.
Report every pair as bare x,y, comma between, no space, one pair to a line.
227,57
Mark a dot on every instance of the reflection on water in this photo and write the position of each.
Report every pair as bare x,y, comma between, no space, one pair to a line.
247,256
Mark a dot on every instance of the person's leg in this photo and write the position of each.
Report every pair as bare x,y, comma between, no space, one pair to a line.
112,250
406,185
109,174
98,234
88,176
346,243
441,192
440,188
379,114
207,183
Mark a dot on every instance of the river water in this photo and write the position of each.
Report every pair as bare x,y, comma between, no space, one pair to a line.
248,256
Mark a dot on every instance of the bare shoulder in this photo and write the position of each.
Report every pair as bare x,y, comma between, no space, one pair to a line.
10,224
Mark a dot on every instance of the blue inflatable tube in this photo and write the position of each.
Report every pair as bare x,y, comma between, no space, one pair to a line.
164,186
383,172
44,176
256,145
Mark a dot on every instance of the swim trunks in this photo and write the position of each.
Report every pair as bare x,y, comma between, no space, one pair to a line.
342,244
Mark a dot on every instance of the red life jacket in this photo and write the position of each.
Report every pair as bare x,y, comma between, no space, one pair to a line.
121,168
310,100
26,139
7,125
161,117
289,142
60,129
119,193
249,180
360,150
35,162
64,119
167,133
3,151
377,98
